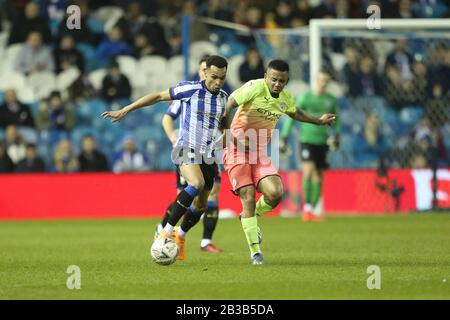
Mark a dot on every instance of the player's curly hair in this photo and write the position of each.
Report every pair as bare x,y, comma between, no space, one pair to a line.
218,61
279,65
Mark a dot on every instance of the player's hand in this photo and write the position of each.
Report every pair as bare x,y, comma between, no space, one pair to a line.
114,115
327,119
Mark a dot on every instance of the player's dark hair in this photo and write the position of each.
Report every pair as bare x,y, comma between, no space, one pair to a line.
218,61
203,59
278,65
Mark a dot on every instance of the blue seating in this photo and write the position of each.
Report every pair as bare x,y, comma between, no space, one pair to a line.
88,52
30,135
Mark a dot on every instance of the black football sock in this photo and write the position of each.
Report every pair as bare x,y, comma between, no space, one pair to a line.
190,219
210,219
166,215
182,204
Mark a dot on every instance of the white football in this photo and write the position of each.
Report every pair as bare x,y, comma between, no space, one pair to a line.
164,251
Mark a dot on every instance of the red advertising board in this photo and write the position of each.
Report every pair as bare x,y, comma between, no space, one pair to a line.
63,196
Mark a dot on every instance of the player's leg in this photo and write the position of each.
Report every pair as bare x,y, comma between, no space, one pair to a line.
271,188
317,177
249,222
195,184
269,184
199,207
181,184
309,167
210,219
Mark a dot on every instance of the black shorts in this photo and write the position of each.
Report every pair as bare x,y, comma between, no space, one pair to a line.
210,172
315,153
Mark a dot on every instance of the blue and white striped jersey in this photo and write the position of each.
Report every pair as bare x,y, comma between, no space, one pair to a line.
201,113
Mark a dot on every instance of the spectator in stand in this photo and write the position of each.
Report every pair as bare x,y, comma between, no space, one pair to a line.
6,164
370,144
437,107
427,141
31,21
90,159
146,35
34,56
327,9
351,68
67,55
114,45
81,89
115,84
215,9
441,73
130,159
64,158
303,11
401,59
12,111
367,82
252,67
15,146
254,20
55,114
283,14
32,162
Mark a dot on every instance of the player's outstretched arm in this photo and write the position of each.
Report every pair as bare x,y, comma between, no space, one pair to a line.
147,100
325,119
169,128
226,121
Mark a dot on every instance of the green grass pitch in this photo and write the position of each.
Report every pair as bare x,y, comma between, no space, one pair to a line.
326,260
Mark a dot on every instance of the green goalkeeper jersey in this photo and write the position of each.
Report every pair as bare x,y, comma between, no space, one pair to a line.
316,106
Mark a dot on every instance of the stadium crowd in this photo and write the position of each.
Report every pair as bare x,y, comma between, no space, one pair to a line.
61,132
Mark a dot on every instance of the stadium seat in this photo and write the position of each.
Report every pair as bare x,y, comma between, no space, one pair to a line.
96,78
411,115
65,79
175,66
105,13
12,79
2,134
79,132
233,71
42,83
89,55
199,48
2,97
29,135
338,60
12,51
152,65
26,95
127,65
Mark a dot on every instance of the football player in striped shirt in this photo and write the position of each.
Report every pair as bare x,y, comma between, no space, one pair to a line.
211,216
203,107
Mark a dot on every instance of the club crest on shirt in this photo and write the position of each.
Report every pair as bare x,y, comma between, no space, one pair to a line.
283,106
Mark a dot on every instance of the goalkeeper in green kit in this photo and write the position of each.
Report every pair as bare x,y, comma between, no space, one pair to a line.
314,142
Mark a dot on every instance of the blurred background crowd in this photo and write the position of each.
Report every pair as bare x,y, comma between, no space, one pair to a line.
55,82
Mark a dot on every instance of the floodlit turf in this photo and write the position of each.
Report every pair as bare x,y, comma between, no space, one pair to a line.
326,260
